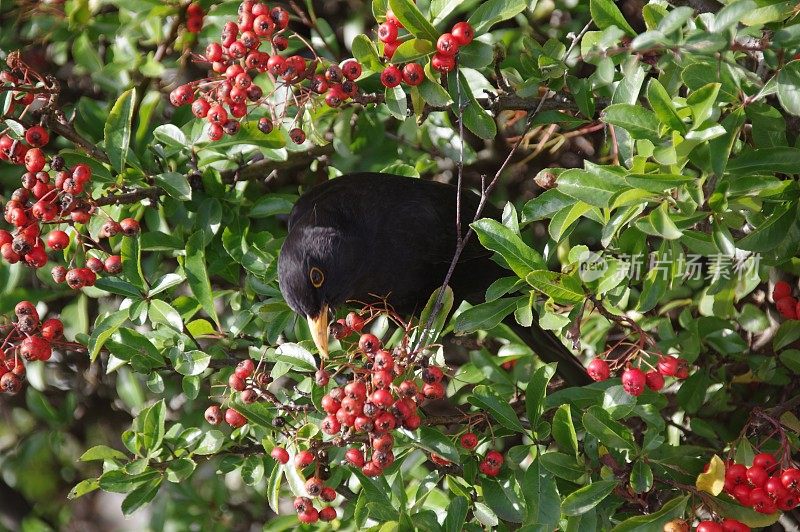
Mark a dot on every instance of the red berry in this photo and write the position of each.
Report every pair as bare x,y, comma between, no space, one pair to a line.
737,474
709,526
265,125
328,494
355,457
280,42
314,486
10,383
309,516
391,76
392,19
280,17
37,136
130,227
245,368
351,69
327,514
59,274
433,391
463,33
732,525
113,264
34,160
371,469
432,375
788,501
234,418
787,306
790,478
263,26
382,379
443,63
765,460
297,135
598,370
413,74
280,455
387,32
52,328
761,502
775,488
236,383
757,476
355,321
469,440
330,425
303,458
654,380
94,264
295,66
368,343
633,381
412,422
276,65
742,494
57,240
447,44
668,366
782,289
382,398
214,415
389,48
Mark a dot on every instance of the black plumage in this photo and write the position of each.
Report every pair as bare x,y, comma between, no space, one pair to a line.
364,235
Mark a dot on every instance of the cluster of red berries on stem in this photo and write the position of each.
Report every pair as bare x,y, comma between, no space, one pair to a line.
413,74
29,339
787,305
764,486
634,380
248,382
194,18
223,98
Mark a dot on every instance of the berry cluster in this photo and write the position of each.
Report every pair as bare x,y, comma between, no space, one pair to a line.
223,98
53,194
248,382
29,339
634,380
443,60
194,18
787,305
726,525
764,486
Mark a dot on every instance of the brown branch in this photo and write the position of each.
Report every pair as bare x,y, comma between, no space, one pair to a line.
151,193
262,168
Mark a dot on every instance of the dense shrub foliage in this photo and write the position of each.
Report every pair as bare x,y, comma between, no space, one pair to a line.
645,157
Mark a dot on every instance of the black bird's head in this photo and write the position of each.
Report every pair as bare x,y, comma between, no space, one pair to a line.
317,268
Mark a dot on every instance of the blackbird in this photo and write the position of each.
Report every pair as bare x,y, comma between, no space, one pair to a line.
364,235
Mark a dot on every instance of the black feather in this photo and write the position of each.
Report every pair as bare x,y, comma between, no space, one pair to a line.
380,234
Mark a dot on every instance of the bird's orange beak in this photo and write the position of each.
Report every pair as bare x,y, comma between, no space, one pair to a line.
319,331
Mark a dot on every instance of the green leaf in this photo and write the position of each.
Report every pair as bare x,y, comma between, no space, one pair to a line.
641,477
638,121
162,312
171,135
413,20
115,285
490,13
564,431
498,238
475,117
701,101
103,329
791,359
541,498
102,452
772,232
662,106
136,349
413,49
210,444
117,131
432,334
787,333
395,98
152,421
612,434
732,14
180,469
587,497
272,205
190,363
563,466
655,521
485,316
297,356
175,184
770,160
434,441
605,14
536,392
562,288
131,255
365,52
197,276
596,188
83,487
141,496
484,398
748,516
456,515
663,224
118,481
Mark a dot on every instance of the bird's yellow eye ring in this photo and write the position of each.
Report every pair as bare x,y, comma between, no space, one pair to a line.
316,277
